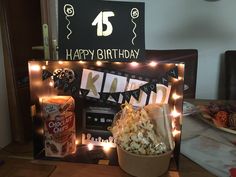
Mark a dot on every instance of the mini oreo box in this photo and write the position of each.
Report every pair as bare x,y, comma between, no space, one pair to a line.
59,125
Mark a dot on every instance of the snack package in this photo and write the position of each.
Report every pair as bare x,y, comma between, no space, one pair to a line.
159,115
59,126
144,131
55,105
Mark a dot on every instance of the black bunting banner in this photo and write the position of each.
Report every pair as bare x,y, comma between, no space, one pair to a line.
164,81
58,83
64,84
84,92
115,96
146,88
46,74
66,87
173,72
135,94
104,96
153,86
126,96
74,90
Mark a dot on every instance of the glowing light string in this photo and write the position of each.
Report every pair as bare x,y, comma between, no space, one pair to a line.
66,82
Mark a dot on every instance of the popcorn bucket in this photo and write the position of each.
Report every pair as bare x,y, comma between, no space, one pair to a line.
143,165
144,140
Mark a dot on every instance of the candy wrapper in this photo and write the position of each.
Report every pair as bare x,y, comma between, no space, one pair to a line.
144,131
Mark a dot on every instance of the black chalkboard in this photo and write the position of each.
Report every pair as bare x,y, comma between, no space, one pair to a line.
101,30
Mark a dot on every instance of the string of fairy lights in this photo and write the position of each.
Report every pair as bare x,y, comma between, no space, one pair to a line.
100,63
174,113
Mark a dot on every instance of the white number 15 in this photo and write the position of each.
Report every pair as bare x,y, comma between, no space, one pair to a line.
102,19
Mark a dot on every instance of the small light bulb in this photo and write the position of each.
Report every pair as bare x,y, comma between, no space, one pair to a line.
81,62
40,131
175,133
134,64
180,78
99,63
174,113
175,96
51,84
60,62
181,65
35,68
43,67
152,63
90,146
106,146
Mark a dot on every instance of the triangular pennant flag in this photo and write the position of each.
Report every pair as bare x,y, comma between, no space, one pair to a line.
126,96
164,81
153,86
146,88
74,90
66,87
46,74
104,96
55,78
62,82
58,83
136,94
84,92
174,72
115,96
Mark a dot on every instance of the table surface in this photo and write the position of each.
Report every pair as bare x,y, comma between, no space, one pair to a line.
62,169
212,147
20,156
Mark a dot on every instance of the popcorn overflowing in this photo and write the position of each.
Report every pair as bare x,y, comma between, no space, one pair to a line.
136,132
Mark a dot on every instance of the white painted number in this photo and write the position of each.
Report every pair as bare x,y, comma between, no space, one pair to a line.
102,19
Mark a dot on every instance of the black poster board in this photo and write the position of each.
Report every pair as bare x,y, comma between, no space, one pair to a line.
94,112
101,30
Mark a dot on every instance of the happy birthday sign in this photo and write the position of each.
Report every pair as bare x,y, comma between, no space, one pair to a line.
101,30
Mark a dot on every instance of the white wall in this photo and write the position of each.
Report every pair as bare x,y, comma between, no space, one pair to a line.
5,133
209,27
